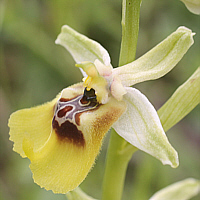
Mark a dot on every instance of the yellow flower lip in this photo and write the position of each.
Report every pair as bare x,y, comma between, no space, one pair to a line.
62,138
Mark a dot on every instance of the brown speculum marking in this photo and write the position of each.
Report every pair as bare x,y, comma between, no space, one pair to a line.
69,132
61,113
66,120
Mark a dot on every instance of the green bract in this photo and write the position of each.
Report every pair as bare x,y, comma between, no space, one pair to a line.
185,98
182,190
78,194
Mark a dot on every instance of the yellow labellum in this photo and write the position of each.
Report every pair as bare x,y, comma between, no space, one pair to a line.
61,141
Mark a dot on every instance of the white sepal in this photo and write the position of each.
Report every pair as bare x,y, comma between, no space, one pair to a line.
81,47
141,127
193,6
158,61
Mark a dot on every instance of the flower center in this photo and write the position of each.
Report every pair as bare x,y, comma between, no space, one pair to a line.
66,121
90,95
95,81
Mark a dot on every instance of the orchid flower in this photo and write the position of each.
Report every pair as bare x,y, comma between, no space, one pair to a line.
62,138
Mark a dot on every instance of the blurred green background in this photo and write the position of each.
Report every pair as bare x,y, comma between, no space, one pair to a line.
33,70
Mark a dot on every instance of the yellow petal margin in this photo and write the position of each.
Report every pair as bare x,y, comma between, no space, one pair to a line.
58,164
33,123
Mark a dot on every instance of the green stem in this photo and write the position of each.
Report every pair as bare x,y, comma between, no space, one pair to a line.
118,156
119,151
130,29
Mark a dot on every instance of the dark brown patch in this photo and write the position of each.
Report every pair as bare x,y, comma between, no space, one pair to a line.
66,99
62,112
69,132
